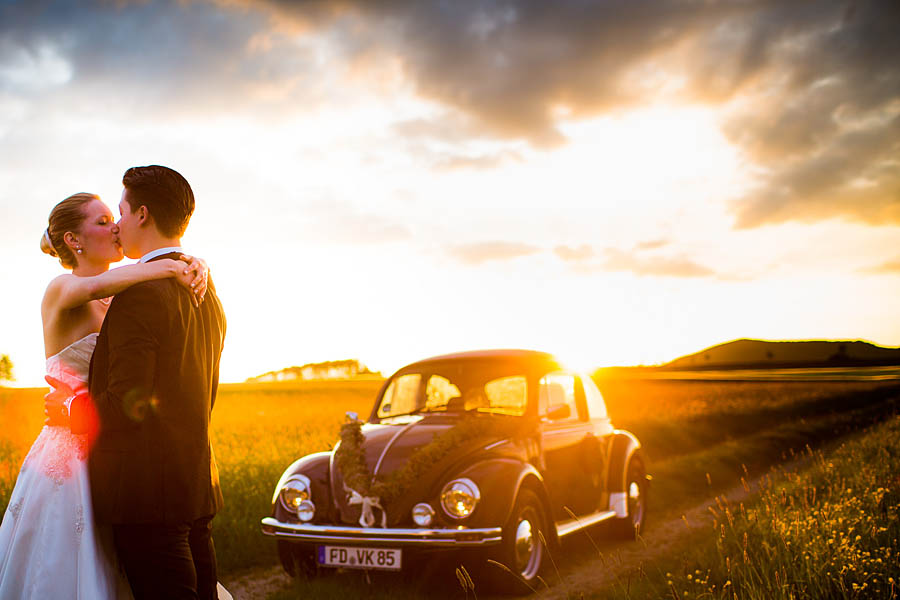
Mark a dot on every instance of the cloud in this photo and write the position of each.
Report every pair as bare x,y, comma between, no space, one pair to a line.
578,254
617,260
510,65
457,162
152,58
809,91
584,260
447,128
655,266
823,120
482,252
652,244
800,82
891,267
856,176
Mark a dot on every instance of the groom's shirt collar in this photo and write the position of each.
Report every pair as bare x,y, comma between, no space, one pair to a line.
159,252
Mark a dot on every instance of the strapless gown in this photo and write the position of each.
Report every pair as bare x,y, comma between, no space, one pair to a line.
49,545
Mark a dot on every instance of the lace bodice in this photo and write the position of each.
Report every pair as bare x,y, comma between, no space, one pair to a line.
57,447
72,364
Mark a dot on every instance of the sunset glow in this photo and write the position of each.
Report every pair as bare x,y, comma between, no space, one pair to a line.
393,181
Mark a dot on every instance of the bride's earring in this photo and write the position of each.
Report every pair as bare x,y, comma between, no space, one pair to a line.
78,250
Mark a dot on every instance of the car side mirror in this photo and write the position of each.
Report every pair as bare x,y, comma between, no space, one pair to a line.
563,411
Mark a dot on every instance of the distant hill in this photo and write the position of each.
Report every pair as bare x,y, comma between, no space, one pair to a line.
766,354
333,369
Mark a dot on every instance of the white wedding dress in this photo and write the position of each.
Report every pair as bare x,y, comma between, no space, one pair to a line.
49,545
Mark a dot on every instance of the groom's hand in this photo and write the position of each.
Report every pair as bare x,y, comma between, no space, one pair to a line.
55,402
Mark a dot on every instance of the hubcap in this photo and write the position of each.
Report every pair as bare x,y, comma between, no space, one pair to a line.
635,503
527,548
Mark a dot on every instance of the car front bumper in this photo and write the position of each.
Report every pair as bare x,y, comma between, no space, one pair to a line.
421,538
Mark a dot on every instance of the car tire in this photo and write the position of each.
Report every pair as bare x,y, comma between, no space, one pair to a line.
630,527
523,550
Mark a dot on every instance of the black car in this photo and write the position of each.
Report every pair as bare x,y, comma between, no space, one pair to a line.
492,454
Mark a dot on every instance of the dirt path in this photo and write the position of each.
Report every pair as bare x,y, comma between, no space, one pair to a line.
591,573
617,560
258,584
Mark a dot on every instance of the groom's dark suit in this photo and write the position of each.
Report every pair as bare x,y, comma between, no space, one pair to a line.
153,474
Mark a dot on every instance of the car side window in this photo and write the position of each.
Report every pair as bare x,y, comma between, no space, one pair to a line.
593,397
438,392
555,392
507,395
400,396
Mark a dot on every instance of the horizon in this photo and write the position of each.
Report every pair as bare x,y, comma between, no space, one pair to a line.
617,184
585,369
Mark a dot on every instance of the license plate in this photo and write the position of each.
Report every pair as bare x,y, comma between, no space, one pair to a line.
353,557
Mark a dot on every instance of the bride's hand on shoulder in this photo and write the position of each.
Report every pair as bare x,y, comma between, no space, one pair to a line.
195,277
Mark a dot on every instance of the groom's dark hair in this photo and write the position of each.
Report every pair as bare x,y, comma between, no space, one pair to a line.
165,193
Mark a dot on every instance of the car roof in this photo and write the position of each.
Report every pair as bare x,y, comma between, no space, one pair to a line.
532,356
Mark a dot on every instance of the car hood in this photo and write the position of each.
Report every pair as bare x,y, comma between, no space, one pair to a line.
388,447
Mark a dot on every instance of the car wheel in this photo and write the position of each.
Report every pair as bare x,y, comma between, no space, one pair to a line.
522,550
636,490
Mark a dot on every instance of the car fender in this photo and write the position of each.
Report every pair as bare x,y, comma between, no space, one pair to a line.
624,446
499,480
316,468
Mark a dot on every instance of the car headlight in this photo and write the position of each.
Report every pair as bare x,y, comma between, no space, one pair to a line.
422,514
306,510
460,497
294,493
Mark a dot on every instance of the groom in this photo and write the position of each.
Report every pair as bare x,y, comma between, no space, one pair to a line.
153,383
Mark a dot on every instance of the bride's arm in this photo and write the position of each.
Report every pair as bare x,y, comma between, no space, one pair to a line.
68,291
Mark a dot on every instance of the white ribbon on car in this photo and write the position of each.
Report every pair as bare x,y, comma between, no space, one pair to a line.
367,518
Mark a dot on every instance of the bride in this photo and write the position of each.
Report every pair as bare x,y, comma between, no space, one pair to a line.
49,545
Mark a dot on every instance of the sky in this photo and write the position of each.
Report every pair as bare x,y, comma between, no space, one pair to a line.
618,182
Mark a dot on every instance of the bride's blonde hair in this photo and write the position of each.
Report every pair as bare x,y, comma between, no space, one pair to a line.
66,216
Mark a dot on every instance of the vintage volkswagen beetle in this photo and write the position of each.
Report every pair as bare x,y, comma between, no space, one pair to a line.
474,452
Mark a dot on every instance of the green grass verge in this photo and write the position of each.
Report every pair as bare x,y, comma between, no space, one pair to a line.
828,532
681,481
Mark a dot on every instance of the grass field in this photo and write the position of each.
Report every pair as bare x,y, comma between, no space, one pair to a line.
701,437
828,531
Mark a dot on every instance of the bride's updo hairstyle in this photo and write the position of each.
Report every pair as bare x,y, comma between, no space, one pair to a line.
66,216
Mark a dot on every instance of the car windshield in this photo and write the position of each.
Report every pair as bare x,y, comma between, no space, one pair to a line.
455,387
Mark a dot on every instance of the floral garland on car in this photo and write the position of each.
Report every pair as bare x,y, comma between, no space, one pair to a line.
370,492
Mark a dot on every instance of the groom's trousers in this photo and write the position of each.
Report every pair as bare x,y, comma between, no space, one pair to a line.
173,561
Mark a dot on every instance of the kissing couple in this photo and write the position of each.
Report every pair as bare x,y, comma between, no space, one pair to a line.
116,497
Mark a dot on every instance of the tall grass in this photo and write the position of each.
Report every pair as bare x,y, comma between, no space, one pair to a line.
257,431
690,430
260,429
830,532
22,415
702,437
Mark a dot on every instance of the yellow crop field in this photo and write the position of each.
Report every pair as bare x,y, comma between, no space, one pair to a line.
257,431
698,435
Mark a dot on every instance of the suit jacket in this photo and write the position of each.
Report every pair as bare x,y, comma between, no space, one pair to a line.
153,381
